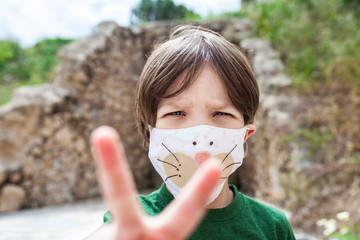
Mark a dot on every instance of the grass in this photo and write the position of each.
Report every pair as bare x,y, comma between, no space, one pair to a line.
27,66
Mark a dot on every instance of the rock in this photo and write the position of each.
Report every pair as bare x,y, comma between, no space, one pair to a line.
3,175
268,68
63,137
11,198
238,30
9,171
266,64
20,119
15,177
46,95
258,45
278,80
80,145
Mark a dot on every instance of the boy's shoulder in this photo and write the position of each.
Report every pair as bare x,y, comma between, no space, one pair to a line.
260,207
264,211
267,218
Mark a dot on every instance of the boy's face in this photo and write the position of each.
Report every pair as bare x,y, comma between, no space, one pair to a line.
205,102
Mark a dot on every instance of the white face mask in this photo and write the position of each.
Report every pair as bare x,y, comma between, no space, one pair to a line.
177,153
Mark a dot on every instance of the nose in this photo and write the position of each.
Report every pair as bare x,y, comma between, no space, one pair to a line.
201,157
199,116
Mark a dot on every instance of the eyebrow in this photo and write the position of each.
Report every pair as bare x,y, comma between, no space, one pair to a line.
177,103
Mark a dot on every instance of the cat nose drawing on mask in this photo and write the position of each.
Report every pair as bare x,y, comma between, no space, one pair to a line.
177,153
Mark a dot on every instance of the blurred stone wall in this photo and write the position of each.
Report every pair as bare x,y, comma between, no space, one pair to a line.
45,157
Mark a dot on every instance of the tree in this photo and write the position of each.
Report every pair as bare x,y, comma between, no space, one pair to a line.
153,10
12,62
19,66
42,58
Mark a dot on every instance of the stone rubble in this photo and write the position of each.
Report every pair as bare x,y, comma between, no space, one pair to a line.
11,197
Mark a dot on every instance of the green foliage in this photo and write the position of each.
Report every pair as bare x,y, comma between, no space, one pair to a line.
352,5
312,139
149,10
42,59
12,62
350,235
311,35
20,66
225,15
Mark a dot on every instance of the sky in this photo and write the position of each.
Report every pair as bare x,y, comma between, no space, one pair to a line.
28,21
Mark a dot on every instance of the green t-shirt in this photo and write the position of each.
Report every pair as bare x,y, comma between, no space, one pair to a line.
243,218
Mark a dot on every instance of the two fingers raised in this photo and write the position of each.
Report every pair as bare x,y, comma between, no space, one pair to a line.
176,222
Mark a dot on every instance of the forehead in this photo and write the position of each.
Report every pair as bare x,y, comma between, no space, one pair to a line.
207,86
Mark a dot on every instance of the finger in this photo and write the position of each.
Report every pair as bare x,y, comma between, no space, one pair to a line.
183,215
116,179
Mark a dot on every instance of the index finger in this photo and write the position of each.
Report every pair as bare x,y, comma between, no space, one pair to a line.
116,178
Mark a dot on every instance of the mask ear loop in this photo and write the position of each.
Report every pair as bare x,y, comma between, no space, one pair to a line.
148,131
245,145
148,134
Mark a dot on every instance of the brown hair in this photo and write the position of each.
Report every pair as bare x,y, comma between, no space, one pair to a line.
186,50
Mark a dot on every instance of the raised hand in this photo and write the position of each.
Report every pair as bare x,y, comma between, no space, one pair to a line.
177,221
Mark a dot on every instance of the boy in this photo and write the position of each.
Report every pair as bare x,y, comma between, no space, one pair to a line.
196,101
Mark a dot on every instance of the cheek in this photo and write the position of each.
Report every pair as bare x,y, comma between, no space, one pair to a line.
163,124
159,121
229,122
169,122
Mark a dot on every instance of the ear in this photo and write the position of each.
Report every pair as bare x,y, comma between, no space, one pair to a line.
251,128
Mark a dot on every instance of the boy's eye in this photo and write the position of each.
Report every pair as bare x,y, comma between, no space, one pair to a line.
177,113
222,114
